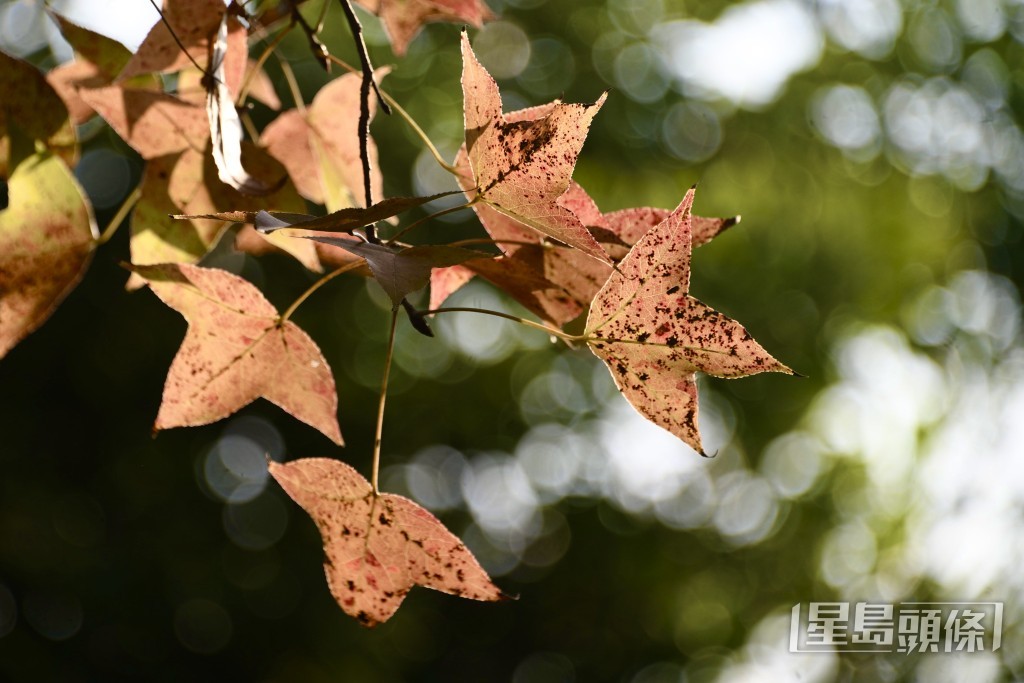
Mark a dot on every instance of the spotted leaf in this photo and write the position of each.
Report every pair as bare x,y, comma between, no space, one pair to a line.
378,547
654,336
236,350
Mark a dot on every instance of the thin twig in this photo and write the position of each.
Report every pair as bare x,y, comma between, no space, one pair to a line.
507,316
436,214
380,406
318,284
175,35
250,77
293,84
364,106
122,213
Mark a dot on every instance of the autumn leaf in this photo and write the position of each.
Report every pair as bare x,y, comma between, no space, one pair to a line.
520,168
193,24
153,123
403,19
187,183
30,104
573,278
47,234
98,60
237,349
654,336
320,147
377,547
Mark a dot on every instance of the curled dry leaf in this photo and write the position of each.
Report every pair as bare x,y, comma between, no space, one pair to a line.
237,349
654,336
377,547
226,132
521,168
46,237
403,19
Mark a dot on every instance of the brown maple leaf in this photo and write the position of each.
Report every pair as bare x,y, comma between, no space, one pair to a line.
521,167
654,336
378,546
237,349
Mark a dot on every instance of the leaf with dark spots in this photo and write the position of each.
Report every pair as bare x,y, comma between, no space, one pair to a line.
236,350
655,337
370,574
402,271
47,234
522,167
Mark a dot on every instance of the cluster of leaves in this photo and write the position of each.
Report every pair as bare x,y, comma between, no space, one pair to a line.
552,249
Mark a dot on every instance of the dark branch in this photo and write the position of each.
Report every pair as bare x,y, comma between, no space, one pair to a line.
364,106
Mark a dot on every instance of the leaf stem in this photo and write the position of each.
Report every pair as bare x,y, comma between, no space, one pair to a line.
250,77
122,213
318,284
407,117
293,85
419,132
436,214
383,397
508,316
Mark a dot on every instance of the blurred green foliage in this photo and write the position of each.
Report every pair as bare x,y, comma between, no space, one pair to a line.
120,560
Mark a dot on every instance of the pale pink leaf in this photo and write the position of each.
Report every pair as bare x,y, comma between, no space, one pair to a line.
236,350
377,547
654,336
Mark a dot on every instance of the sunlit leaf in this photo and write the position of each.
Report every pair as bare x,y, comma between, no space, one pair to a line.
377,547
236,350
320,147
46,239
654,336
193,24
